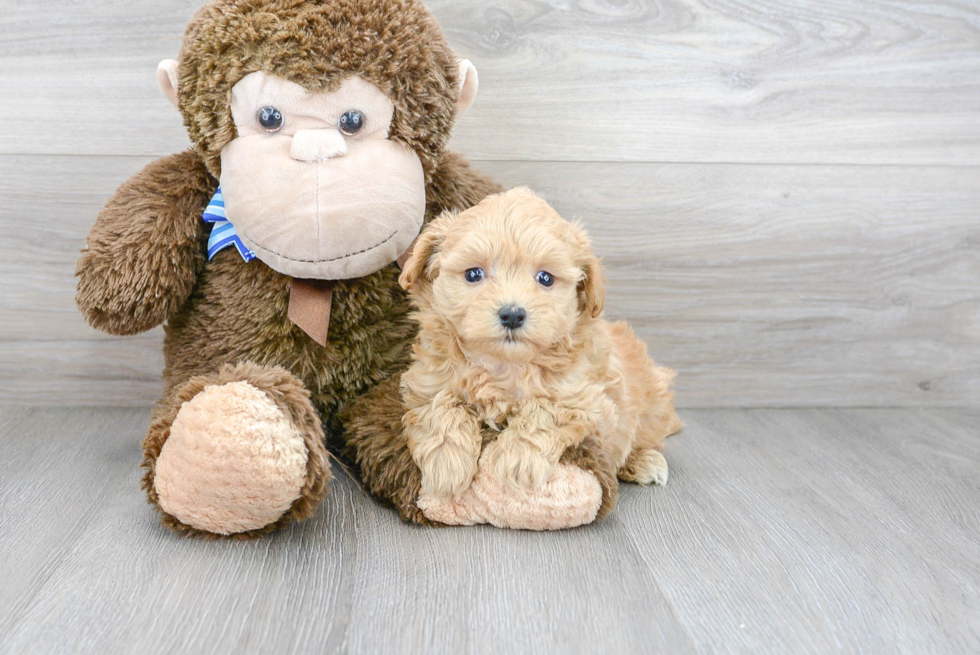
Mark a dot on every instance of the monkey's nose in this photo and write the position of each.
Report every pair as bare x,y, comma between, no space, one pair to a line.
317,145
512,317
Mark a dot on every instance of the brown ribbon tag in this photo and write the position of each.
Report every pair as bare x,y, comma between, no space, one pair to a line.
309,307
310,300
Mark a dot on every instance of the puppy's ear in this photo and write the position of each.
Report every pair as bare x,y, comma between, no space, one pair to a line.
592,286
421,268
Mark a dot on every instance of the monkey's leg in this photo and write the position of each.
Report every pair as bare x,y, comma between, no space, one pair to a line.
238,452
378,448
582,489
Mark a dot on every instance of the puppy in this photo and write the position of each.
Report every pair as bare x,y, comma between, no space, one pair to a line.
509,298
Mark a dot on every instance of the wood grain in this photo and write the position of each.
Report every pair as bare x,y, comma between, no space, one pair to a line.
771,286
764,286
851,522
790,81
778,532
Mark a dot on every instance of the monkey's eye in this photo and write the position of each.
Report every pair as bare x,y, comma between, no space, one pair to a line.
352,122
545,279
271,119
474,275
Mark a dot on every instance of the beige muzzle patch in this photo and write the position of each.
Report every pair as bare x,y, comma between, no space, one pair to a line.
335,218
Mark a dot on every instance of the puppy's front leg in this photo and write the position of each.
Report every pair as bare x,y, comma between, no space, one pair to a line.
444,438
527,451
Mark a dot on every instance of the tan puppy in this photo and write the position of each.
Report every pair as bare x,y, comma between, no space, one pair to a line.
509,297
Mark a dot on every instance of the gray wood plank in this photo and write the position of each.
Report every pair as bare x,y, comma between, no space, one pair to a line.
769,286
50,461
116,581
792,81
483,590
861,525
106,371
805,531
764,286
50,203
353,578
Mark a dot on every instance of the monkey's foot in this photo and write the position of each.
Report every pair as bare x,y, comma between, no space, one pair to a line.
238,459
572,497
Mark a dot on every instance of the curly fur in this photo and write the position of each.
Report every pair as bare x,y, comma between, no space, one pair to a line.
376,447
565,374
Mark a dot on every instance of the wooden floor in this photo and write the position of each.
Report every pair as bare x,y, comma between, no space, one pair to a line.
781,531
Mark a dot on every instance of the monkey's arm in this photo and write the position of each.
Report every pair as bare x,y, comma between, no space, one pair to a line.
457,185
146,248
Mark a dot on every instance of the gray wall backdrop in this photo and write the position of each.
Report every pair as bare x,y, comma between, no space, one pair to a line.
786,193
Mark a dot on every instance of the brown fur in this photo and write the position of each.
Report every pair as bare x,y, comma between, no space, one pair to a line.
591,456
377,450
230,312
147,247
396,44
563,375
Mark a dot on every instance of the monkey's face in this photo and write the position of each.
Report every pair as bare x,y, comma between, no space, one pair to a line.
324,120
313,185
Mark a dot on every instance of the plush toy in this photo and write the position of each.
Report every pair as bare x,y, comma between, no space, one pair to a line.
270,251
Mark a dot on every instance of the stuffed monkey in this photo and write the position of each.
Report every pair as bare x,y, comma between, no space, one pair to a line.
269,251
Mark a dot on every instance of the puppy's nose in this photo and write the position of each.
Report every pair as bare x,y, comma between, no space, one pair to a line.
317,145
512,317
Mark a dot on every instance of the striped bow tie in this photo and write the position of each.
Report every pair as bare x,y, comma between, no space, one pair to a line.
309,300
222,232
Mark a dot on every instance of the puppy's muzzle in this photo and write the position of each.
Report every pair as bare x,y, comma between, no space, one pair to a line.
512,318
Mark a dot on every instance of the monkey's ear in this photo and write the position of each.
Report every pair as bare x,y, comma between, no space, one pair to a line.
420,267
469,82
167,79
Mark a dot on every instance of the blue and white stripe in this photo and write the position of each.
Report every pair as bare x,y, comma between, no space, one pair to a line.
222,232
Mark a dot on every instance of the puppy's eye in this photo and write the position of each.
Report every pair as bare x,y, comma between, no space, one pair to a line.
271,119
351,123
545,279
474,275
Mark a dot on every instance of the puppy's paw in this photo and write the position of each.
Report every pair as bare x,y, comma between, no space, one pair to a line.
518,464
447,470
645,467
